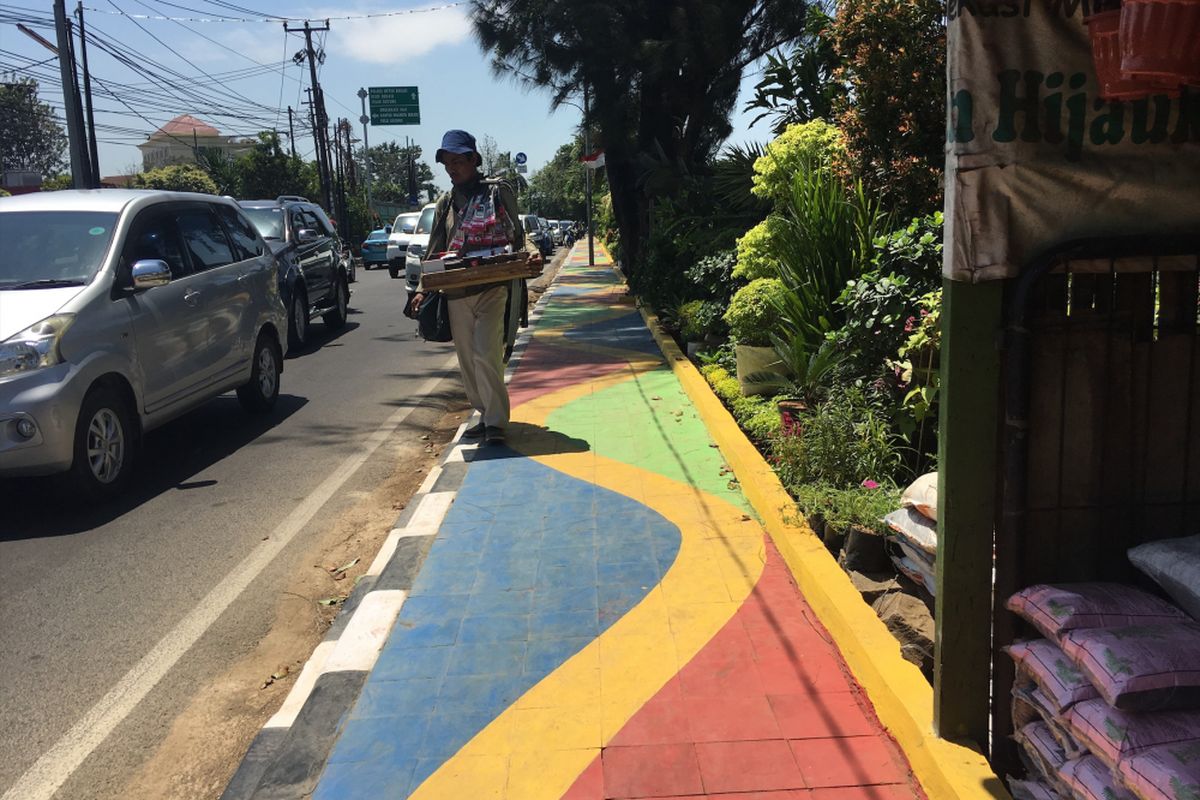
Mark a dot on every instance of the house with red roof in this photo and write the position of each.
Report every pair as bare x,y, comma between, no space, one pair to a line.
182,138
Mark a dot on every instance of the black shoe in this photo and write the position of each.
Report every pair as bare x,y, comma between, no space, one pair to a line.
475,431
495,435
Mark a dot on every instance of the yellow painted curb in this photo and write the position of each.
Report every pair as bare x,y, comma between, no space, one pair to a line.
903,699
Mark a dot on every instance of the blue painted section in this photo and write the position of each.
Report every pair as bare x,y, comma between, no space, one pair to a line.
627,332
513,586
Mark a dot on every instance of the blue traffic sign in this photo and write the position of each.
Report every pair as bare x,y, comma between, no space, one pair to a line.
521,158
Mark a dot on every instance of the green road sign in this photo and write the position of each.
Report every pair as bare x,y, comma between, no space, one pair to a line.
394,105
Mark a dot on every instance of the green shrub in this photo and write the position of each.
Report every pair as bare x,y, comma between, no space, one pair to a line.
176,178
758,416
826,238
713,275
848,440
755,258
751,316
807,145
893,61
845,506
699,318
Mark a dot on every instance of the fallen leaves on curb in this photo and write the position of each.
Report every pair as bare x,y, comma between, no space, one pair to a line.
331,601
340,572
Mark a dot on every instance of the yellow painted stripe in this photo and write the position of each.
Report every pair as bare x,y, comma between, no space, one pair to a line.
538,747
902,697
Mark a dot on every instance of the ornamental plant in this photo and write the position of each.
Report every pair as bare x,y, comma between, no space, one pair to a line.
751,316
808,145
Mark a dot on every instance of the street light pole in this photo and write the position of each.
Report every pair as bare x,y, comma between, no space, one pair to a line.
587,177
364,119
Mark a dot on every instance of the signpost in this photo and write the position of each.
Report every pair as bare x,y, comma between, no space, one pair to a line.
394,105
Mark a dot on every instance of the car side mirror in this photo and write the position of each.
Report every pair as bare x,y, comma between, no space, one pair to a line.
150,272
306,235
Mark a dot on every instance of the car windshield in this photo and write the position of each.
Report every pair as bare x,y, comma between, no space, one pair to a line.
268,220
425,223
405,223
53,248
377,236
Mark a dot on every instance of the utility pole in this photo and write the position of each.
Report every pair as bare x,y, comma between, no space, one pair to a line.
291,133
66,68
321,123
587,177
94,158
364,119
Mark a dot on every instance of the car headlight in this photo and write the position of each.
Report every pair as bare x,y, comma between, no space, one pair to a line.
35,347
416,250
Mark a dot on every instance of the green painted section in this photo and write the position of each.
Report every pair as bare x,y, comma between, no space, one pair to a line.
649,422
570,315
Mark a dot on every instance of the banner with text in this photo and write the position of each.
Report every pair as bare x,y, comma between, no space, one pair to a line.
1035,158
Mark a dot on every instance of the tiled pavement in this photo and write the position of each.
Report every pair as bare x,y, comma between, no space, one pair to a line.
600,616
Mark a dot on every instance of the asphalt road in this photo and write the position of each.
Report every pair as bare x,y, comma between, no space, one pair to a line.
110,617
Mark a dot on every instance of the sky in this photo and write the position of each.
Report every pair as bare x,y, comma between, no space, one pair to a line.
427,45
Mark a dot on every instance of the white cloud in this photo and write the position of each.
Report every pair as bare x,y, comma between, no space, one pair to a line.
395,40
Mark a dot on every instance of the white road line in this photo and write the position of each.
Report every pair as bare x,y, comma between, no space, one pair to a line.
56,765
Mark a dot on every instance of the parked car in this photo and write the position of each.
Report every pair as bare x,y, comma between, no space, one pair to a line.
417,242
397,246
556,231
374,248
313,277
545,223
535,231
119,311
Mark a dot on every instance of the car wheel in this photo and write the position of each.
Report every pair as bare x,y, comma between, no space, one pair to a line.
298,320
337,317
105,444
393,271
258,394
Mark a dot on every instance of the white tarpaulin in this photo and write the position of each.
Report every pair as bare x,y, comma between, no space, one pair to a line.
1035,158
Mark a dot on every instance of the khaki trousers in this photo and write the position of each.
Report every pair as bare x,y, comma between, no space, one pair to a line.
477,323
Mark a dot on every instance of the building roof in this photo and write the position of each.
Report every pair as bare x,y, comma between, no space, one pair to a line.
184,125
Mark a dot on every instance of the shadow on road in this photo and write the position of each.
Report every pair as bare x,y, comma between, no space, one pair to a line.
170,456
319,336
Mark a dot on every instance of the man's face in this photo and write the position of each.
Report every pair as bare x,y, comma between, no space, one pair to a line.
460,167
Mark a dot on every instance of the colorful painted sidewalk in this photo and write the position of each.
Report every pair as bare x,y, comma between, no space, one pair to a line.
600,614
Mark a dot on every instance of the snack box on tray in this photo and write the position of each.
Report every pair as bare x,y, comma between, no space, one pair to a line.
452,272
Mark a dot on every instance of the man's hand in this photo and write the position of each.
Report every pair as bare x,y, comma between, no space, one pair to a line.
535,263
414,304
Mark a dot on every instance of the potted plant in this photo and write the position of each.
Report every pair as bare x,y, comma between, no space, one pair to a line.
699,322
1160,41
1105,29
798,376
751,321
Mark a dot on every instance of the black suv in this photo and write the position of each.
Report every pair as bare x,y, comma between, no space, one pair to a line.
314,278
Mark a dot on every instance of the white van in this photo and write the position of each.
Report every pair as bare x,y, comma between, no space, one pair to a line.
417,242
397,243
119,311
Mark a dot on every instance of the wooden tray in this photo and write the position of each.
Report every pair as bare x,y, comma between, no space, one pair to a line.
489,270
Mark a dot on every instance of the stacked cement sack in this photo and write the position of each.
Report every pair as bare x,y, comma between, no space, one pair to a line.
1107,705
913,543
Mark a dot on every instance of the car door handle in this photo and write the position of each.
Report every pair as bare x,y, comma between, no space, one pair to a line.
191,297
245,276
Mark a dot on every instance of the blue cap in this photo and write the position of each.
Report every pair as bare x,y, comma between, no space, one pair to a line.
456,141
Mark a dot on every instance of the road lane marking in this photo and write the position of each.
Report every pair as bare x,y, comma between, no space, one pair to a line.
57,764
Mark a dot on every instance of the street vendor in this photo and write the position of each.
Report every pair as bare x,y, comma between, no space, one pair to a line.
479,217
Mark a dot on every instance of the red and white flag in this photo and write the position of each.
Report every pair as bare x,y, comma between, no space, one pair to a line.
594,161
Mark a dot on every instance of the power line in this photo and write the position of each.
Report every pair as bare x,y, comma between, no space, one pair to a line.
259,17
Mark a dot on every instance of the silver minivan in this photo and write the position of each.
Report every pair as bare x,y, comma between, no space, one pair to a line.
119,311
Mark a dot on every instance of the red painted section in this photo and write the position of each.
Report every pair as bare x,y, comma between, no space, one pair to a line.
765,710
546,368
